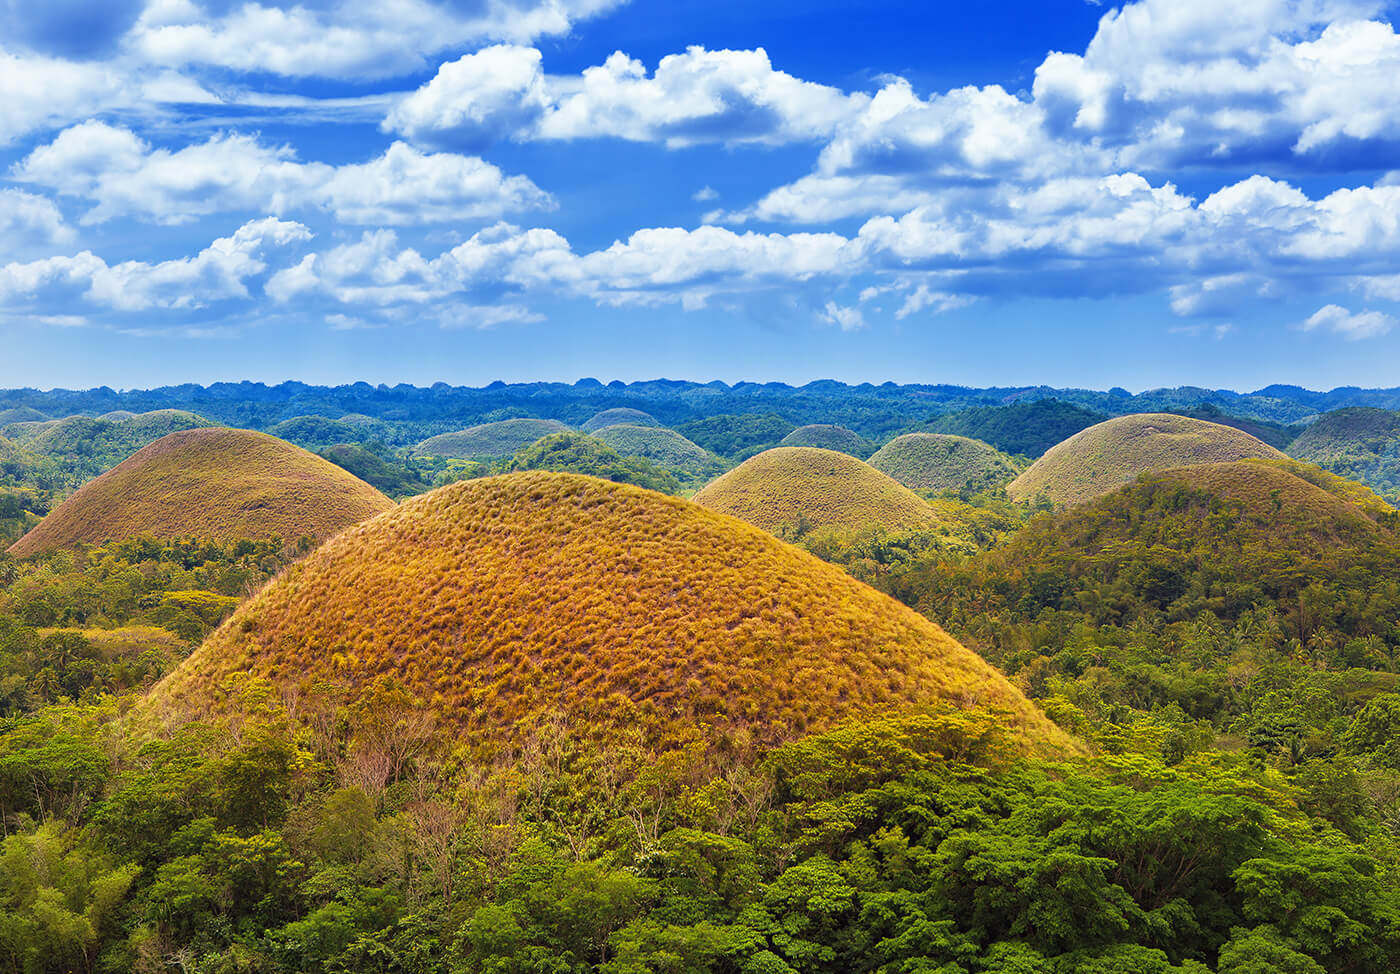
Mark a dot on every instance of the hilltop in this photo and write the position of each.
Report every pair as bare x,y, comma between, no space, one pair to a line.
489,441
1362,444
825,436
210,482
1104,457
620,416
527,595
1025,428
791,488
941,461
663,447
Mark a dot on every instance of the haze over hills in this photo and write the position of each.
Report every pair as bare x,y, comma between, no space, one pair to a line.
1104,457
941,461
792,487
513,597
210,482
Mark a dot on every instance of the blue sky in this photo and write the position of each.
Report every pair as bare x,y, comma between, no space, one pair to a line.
1162,193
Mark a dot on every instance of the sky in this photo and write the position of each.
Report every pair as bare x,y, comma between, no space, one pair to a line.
1054,192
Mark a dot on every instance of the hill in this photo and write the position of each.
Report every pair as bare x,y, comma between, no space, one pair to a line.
1104,457
790,489
663,447
389,475
1361,444
940,461
737,436
1025,428
211,483
621,416
579,453
314,432
529,595
824,436
21,414
81,447
490,441
1277,435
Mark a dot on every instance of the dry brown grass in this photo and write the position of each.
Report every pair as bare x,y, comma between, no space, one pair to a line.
211,483
513,597
822,488
1102,458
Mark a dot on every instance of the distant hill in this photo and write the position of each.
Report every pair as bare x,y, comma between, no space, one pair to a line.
1104,457
21,414
579,453
790,489
211,483
514,598
314,432
737,437
1276,435
941,461
1028,428
825,436
1362,444
621,416
663,447
83,446
489,441
394,479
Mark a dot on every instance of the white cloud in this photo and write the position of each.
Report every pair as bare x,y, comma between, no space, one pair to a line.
1353,327
28,219
705,194
40,91
924,297
845,318
126,177
729,97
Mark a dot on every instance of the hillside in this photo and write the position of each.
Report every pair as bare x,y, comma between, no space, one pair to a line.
1104,457
1361,444
663,447
620,416
21,414
737,437
315,432
211,483
825,436
84,436
489,441
1025,428
939,461
788,490
514,597
389,475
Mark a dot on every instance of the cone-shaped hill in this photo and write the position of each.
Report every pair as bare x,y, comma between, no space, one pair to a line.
620,416
1104,457
527,594
787,485
213,483
489,441
663,447
941,461
825,436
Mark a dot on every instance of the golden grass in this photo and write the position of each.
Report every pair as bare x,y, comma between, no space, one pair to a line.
942,461
822,488
620,416
212,483
512,597
825,436
489,441
1300,498
1104,457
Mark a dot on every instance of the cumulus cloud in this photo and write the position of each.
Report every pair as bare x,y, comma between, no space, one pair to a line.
126,177
1353,327
844,317
700,96
28,219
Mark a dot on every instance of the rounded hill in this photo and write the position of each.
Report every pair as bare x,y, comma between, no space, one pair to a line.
825,436
211,482
1360,443
1106,456
620,416
21,414
663,447
489,441
114,432
790,486
942,461
527,595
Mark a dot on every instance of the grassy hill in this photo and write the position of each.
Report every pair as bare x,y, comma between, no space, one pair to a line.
824,436
1362,444
388,475
579,453
1104,457
940,461
1025,428
489,441
212,483
663,447
82,447
790,489
525,595
620,416
20,414
737,436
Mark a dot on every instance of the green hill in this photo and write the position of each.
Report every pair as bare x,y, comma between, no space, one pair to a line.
825,436
315,432
579,453
663,447
21,414
1361,444
212,482
1025,428
83,447
513,598
939,461
737,436
489,441
389,476
620,416
1104,457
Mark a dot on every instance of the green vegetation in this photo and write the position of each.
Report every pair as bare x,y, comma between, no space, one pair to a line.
1103,458
790,490
1362,444
665,448
621,416
1277,435
210,483
1024,428
737,437
21,414
489,441
84,447
583,454
515,597
824,436
316,432
938,461
378,468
